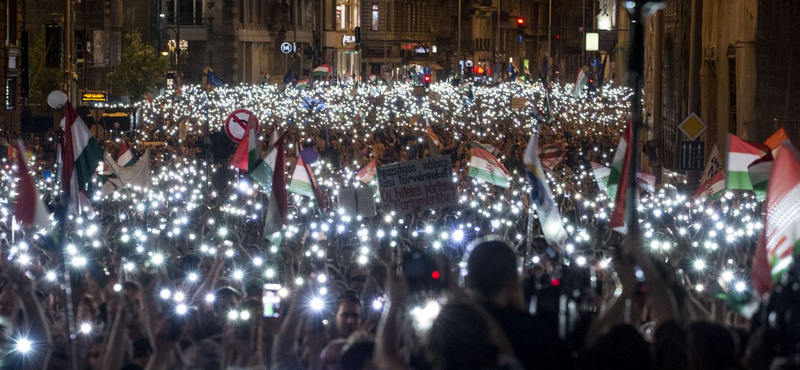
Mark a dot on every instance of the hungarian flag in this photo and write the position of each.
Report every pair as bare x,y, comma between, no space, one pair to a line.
484,166
618,180
759,172
125,156
321,71
741,154
302,83
368,173
542,197
248,156
712,188
432,135
552,154
303,183
30,209
601,174
137,177
80,156
580,82
646,181
278,206
780,238
775,140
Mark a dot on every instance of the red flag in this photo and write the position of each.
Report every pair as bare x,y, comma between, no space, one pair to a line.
30,208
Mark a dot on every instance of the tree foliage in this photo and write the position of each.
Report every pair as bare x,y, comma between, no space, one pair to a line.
43,79
141,70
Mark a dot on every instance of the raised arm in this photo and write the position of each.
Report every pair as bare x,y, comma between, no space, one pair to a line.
386,353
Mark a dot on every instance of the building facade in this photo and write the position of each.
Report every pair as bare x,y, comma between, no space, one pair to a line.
735,71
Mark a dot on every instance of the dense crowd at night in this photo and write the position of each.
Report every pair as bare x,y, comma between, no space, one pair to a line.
170,261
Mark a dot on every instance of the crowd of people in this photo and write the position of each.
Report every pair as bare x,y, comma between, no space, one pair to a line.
181,275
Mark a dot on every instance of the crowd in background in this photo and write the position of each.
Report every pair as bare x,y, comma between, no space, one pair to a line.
180,276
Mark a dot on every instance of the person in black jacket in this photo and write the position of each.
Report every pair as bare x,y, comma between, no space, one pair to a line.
493,279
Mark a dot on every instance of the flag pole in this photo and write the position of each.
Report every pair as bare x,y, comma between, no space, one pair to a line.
636,81
61,218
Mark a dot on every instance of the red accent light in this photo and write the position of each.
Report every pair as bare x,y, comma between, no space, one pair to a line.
555,282
520,21
435,275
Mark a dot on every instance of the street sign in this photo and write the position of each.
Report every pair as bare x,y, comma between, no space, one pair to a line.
236,124
692,127
286,48
520,38
595,62
468,63
693,155
426,70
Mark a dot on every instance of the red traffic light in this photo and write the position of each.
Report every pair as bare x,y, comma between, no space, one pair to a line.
427,78
520,21
435,275
479,70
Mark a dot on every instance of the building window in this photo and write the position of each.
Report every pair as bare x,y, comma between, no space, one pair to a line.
187,12
375,17
11,89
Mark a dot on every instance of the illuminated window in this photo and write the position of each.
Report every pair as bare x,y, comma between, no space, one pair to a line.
375,17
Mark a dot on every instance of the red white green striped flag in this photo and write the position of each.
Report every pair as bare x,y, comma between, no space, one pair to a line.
81,154
741,154
601,174
552,154
30,209
779,244
304,183
618,180
125,156
759,172
368,173
432,135
484,166
712,188
580,82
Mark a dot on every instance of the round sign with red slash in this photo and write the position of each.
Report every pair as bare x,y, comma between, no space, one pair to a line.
236,124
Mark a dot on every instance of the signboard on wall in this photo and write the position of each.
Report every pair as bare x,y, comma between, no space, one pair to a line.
95,96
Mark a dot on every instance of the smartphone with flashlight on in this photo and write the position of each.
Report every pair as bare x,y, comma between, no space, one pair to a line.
272,300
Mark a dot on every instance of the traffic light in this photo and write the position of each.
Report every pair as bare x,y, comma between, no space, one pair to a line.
426,80
357,35
479,70
520,26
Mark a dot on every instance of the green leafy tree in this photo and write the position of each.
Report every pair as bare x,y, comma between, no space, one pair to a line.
141,69
43,80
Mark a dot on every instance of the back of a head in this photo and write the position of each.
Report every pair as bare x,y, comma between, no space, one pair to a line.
622,348
491,266
459,340
711,346
357,354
